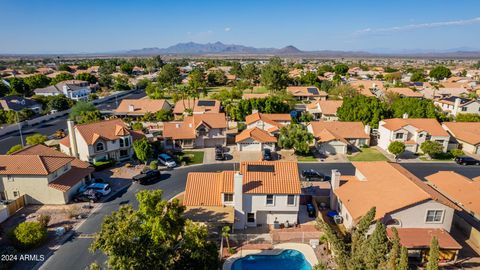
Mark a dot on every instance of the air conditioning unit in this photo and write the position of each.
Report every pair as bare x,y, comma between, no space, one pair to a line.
338,219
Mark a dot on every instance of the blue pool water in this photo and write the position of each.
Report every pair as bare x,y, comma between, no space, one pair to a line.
287,260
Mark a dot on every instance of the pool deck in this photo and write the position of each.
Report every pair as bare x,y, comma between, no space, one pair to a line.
305,249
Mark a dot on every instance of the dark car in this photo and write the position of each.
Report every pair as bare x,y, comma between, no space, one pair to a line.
310,210
147,176
313,175
467,161
267,154
219,153
88,196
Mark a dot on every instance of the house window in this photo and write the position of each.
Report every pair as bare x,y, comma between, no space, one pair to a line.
250,217
127,142
434,216
291,200
65,168
100,146
9,178
420,135
121,142
269,199
464,109
16,194
202,131
399,136
228,197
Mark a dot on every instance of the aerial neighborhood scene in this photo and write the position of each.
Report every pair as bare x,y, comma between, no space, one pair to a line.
239,135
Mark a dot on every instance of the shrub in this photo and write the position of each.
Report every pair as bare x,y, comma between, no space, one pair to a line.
137,126
396,148
44,220
154,165
72,211
101,165
431,148
29,234
457,152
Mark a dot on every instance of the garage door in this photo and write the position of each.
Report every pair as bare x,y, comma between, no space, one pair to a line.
478,150
332,148
250,147
213,142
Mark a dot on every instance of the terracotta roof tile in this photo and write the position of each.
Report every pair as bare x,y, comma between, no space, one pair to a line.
405,91
181,105
420,238
141,106
186,129
107,130
430,125
465,131
205,188
327,107
256,134
340,130
302,91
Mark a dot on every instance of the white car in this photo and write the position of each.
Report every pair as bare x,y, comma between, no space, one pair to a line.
101,188
167,160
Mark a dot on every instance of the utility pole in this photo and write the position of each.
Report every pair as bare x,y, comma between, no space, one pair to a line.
20,129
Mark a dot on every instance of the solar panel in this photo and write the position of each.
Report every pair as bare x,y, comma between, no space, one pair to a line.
206,103
261,168
312,90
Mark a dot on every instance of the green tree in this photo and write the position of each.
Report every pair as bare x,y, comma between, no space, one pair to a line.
86,77
359,237
4,89
89,117
342,91
415,108
168,76
467,117
154,91
36,138
417,76
433,254
217,78
377,247
305,117
295,136
396,148
80,108
395,250
431,148
153,165
143,149
37,81
197,80
61,77
403,261
250,72
164,115
156,236
18,87
127,68
368,110
309,78
324,68
341,69
15,148
340,255
274,76
64,67
121,83
226,235
440,73
29,234
137,126
59,103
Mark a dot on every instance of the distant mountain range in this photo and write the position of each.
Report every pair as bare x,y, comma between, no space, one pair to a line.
219,48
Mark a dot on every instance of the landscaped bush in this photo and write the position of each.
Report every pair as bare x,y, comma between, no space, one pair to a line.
29,234
154,165
101,165
457,152
443,156
44,220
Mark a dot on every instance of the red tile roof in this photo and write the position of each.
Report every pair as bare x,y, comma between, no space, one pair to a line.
256,134
420,238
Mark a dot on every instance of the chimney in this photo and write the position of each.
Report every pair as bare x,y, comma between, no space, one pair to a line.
405,116
368,129
456,106
335,183
131,108
72,138
240,219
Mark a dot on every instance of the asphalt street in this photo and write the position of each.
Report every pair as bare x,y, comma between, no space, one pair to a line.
48,128
74,253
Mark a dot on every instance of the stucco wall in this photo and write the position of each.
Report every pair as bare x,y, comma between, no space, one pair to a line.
35,188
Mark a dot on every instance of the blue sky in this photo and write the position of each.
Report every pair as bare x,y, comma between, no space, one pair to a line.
32,26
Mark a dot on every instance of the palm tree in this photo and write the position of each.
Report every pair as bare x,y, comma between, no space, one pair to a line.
226,235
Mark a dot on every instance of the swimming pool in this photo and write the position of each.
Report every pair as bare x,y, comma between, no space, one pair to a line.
287,260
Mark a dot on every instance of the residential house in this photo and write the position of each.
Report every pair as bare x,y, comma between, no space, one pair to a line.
324,109
368,88
339,137
307,93
271,122
18,103
262,193
465,134
139,107
454,105
110,139
255,139
402,92
73,89
42,174
412,132
196,131
198,106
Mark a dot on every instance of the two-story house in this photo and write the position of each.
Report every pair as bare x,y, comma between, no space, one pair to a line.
72,89
466,135
324,109
455,105
270,122
196,131
262,193
110,139
339,137
139,107
42,174
307,93
412,132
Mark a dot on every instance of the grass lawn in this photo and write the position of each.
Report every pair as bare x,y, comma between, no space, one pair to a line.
368,154
196,157
306,158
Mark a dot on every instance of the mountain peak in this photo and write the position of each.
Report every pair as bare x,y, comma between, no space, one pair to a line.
289,49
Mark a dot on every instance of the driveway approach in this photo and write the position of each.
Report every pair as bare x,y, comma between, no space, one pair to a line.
74,253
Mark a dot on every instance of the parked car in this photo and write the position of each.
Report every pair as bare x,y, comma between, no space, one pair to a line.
310,210
87,196
219,153
267,154
101,188
313,175
467,161
147,176
167,160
